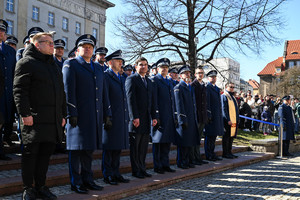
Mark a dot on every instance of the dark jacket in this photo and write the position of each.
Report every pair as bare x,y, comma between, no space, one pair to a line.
285,114
117,137
200,95
59,63
245,109
266,116
87,99
141,103
39,91
1,93
7,65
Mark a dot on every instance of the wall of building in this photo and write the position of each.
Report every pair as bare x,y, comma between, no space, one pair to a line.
265,85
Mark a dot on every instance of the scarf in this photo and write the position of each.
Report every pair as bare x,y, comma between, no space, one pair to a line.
232,113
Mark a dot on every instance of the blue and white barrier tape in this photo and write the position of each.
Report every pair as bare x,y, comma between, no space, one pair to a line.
242,116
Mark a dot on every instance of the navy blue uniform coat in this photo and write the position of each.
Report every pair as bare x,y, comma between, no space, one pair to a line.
214,111
141,104
59,63
164,93
87,100
7,65
225,111
285,114
117,137
186,112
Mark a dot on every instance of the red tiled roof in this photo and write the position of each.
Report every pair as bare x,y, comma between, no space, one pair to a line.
253,83
293,46
270,67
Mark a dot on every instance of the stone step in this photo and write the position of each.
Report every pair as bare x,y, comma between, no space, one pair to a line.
157,181
58,174
15,163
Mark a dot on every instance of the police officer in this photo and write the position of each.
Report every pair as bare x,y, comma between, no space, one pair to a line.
153,70
187,132
100,57
59,49
116,138
164,133
7,66
230,112
128,70
173,76
12,41
287,120
20,51
215,125
33,31
72,53
87,104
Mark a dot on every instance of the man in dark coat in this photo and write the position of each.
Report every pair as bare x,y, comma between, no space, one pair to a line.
287,120
26,42
87,104
59,49
142,109
116,138
230,111
164,134
173,76
200,96
100,57
215,125
7,107
187,131
40,101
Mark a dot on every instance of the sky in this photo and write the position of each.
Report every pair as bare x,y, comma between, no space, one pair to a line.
250,65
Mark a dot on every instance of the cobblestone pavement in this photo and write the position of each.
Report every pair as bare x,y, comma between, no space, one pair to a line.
273,180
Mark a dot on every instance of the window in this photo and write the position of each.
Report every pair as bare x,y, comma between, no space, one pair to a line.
291,64
294,52
35,13
10,27
65,24
78,28
95,32
51,19
278,70
66,41
298,63
10,5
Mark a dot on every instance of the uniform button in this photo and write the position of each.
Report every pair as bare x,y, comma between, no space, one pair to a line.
6,88
97,110
5,68
97,99
125,110
94,77
96,88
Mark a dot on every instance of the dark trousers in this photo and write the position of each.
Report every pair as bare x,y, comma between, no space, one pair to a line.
195,154
227,141
161,154
5,131
183,154
35,162
209,145
285,145
111,163
138,151
83,158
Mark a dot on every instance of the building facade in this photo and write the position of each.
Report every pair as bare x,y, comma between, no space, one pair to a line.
68,18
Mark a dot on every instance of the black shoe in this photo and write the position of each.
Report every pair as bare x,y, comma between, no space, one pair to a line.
93,186
218,158
234,156
183,166
146,174
168,169
29,194
44,193
196,162
288,154
191,165
80,189
228,156
159,170
121,179
138,175
110,180
211,159
4,157
204,162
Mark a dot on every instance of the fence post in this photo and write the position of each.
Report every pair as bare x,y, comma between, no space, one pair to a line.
280,143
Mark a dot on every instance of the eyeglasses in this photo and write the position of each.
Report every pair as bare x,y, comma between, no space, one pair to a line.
47,42
231,86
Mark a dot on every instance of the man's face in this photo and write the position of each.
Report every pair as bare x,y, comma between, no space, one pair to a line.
186,76
100,58
230,88
2,35
86,51
199,74
45,45
173,75
128,72
59,52
154,71
212,79
163,70
115,64
142,67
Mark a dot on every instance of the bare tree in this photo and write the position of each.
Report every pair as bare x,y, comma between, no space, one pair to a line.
193,28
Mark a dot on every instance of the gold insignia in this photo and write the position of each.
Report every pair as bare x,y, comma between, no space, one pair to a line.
88,36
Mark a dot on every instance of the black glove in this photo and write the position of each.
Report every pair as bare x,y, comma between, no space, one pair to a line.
107,123
184,126
176,123
73,121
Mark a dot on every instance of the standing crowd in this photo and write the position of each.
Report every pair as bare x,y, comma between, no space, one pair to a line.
96,102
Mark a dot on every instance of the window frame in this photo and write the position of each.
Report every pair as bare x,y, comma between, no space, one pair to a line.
65,39
38,13
9,5
67,24
8,27
77,33
53,18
